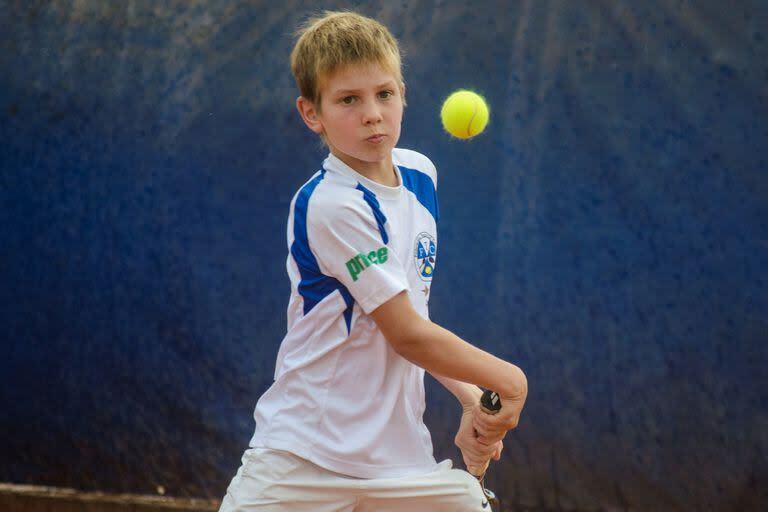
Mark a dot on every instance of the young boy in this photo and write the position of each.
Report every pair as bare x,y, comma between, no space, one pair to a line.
341,427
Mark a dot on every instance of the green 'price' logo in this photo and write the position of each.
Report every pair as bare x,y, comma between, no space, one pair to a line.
362,261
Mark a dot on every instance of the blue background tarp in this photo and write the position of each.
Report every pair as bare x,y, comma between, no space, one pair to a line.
608,232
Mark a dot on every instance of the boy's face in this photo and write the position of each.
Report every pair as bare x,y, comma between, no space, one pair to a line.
362,108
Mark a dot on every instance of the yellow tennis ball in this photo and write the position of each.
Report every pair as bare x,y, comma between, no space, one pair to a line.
464,114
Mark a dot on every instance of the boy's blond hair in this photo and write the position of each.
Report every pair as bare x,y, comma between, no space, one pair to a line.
337,39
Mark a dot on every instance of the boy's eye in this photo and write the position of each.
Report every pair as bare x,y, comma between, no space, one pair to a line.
348,100
385,95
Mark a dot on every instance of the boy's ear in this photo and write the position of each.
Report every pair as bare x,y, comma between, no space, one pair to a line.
308,113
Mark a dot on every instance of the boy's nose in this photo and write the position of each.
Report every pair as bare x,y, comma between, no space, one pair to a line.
372,114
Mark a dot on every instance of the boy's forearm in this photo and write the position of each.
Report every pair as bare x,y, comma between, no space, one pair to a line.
441,352
467,394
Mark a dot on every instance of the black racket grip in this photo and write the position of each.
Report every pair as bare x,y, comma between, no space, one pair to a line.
490,402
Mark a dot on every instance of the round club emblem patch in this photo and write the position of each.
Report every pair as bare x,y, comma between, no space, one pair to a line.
426,252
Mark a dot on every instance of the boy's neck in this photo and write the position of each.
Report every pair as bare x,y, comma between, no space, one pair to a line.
382,172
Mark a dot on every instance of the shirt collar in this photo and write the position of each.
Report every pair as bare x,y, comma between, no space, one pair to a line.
333,163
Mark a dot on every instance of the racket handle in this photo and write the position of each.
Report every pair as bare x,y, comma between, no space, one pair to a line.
490,403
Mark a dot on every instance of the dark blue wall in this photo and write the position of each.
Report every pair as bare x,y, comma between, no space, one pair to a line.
609,233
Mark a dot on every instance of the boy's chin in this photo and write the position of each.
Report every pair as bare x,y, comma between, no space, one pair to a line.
372,155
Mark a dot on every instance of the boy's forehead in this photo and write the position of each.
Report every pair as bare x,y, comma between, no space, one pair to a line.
357,76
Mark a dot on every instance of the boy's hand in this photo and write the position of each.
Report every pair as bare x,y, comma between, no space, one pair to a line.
491,428
473,452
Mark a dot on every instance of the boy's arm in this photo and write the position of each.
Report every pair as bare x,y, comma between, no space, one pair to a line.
468,395
442,353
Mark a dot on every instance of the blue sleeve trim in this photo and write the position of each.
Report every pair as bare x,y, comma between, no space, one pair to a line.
314,285
381,219
423,188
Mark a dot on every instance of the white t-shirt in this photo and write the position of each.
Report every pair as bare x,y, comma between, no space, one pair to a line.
342,397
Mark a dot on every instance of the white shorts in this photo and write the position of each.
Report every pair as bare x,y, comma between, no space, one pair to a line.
277,481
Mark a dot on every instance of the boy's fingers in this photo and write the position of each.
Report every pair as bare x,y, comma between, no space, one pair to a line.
480,449
495,433
489,440
482,424
499,448
476,457
495,425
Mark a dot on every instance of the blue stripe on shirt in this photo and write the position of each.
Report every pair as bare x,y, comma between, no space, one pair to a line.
423,188
381,219
314,285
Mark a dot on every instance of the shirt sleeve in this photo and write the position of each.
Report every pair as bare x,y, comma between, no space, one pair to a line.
349,246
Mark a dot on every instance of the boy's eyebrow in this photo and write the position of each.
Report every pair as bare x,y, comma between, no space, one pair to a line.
380,86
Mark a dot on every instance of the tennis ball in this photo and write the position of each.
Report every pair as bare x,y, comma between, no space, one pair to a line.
464,114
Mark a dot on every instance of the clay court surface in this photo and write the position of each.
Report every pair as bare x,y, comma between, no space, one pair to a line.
33,498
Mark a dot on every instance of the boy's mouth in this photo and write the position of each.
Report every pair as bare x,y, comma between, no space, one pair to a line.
376,139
